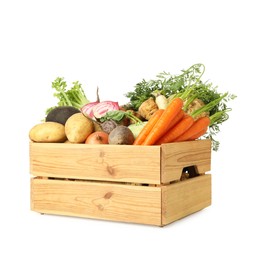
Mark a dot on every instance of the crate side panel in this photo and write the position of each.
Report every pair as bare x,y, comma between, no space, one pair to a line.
122,163
185,197
116,202
176,156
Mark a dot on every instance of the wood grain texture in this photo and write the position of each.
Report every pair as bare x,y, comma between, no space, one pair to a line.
122,163
117,202
185,197
127,163
127,183
176,156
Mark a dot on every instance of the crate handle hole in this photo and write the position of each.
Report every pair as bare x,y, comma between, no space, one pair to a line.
189,172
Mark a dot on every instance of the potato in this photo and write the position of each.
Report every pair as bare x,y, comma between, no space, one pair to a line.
97,126
48,132
78,128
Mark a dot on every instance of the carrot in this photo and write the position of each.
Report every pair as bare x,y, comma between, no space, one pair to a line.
198,126
199,134
177,130
148,127
162,125
177,119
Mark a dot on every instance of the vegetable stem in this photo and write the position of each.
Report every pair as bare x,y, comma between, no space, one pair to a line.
208,107
74,97
118,115
219,116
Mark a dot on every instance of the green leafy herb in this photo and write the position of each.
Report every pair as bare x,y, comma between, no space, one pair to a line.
75,96
119,115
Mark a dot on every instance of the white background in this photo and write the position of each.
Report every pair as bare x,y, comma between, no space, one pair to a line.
113,45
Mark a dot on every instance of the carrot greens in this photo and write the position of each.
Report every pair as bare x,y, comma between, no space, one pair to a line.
166,83
189,86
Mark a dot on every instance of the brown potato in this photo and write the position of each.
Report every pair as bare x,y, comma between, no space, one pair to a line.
78,128
48,132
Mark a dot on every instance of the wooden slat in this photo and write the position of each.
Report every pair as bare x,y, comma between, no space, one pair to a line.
176,156
185,197
122,163
111,201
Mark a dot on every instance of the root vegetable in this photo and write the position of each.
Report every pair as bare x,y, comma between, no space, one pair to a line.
78,128
163,123
160,100
137,128
97,126
198,134
199,125
194,105
98,137
121,135
87,109
148,127
184,124
108,126
148,108
48,132
96,110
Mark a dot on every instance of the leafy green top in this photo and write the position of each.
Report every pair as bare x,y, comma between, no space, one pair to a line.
75,96
189,85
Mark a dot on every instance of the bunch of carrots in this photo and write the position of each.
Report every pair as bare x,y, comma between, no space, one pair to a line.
173,124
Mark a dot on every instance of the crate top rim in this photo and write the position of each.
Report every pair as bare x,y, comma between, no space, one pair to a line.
93,146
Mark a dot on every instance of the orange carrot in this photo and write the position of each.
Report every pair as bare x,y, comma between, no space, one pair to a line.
199,134
198,126
162,125
177,119
148,127
177,130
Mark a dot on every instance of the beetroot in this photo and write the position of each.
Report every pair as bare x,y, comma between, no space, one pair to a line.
96,110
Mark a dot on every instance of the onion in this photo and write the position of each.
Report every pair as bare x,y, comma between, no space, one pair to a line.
103,107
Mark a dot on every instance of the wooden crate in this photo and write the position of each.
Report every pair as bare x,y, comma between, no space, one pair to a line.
138,184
